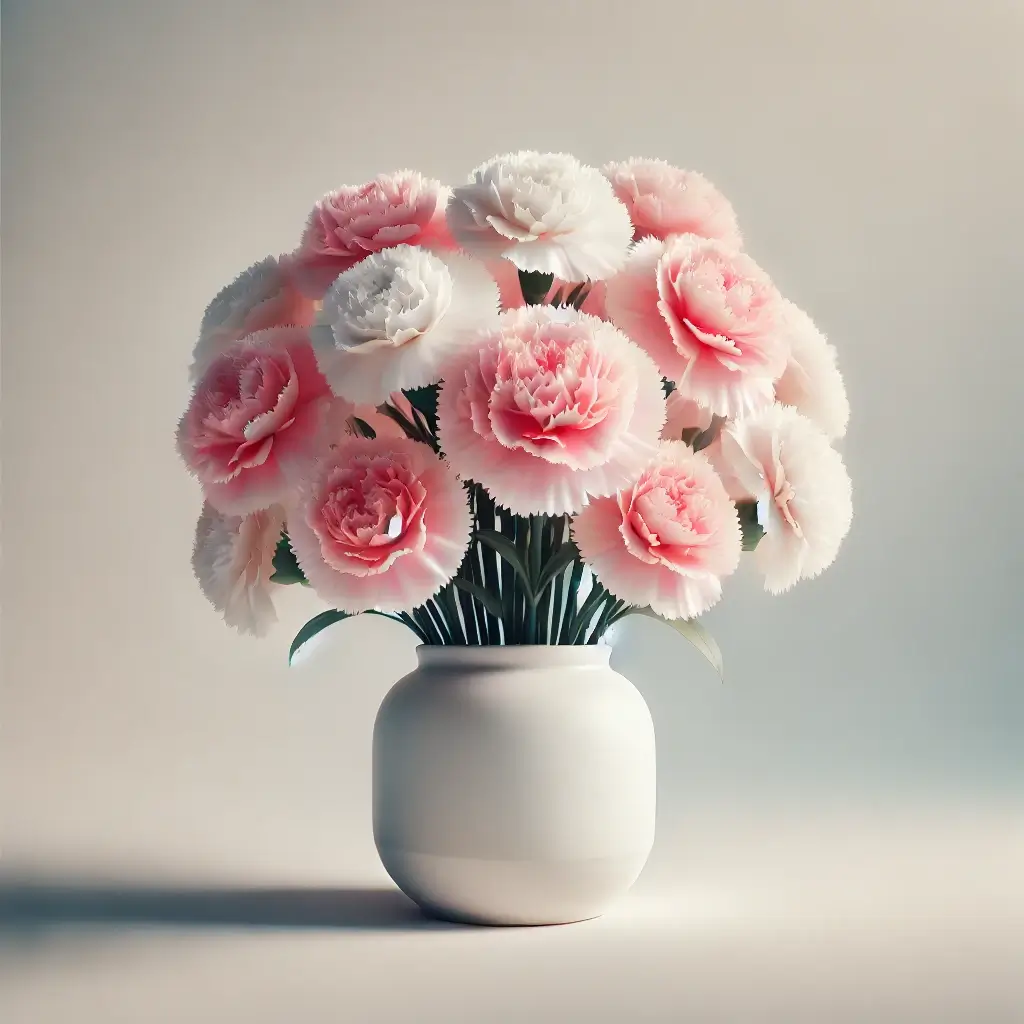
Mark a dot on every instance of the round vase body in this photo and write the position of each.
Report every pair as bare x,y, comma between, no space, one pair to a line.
514,785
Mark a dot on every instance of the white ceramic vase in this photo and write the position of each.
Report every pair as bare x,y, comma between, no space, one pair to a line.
514,785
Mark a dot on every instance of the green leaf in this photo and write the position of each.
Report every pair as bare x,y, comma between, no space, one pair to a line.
572,299
706,437
586,616
668,386
689,434
286,565
424,400
447,605
692,630
508,551
556,298
364,428
753,531
556,564
320,622
411,429
480,594
315,625
535,286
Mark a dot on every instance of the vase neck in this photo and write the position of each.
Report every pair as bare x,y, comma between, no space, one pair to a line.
513,656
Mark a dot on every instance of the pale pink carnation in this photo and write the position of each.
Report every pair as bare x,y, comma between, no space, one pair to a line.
663,200
544,212
710,317
261,297
256,418
233,560
666,541
394,320
506,276
380,524
683,414
351,223
550,407
812,382
781,459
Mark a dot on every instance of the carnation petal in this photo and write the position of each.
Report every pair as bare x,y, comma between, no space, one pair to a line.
269,379
552,406
261,297
694,539
393,321
233,561
808,490
353,222
338,552
663,200
708,315
544,212
812,382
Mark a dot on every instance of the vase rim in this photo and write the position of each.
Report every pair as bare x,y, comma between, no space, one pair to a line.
513,655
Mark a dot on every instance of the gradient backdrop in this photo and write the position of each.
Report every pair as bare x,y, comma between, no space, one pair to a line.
874,153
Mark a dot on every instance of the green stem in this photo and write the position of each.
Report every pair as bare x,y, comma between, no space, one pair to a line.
438,620
448,607
522,532
409,621
422,619
557,585
491,574
583,619
571,598
508,583
536,554
470,570
605,619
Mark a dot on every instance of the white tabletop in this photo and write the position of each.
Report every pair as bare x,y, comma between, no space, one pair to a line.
881,917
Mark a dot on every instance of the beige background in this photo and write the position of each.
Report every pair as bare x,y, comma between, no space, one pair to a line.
858,783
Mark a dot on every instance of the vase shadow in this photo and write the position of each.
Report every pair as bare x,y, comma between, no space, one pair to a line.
30,906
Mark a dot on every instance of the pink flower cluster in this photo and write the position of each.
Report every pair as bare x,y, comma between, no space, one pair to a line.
640,287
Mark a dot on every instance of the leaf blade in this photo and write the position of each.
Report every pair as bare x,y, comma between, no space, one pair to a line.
315,625
286,565
490,602
323,620
692,631
509,552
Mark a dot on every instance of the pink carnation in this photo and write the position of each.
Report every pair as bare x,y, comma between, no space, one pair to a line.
381,524
666,541
233,559
710,317
663,200
506,276
812,382
256,417
782,460
683,414
549,407
355,221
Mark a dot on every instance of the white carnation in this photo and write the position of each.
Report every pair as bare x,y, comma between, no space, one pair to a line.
393,320
544,212
782,459
812,382
233,561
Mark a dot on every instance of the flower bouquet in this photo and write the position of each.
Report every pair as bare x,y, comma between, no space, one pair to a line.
512,412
